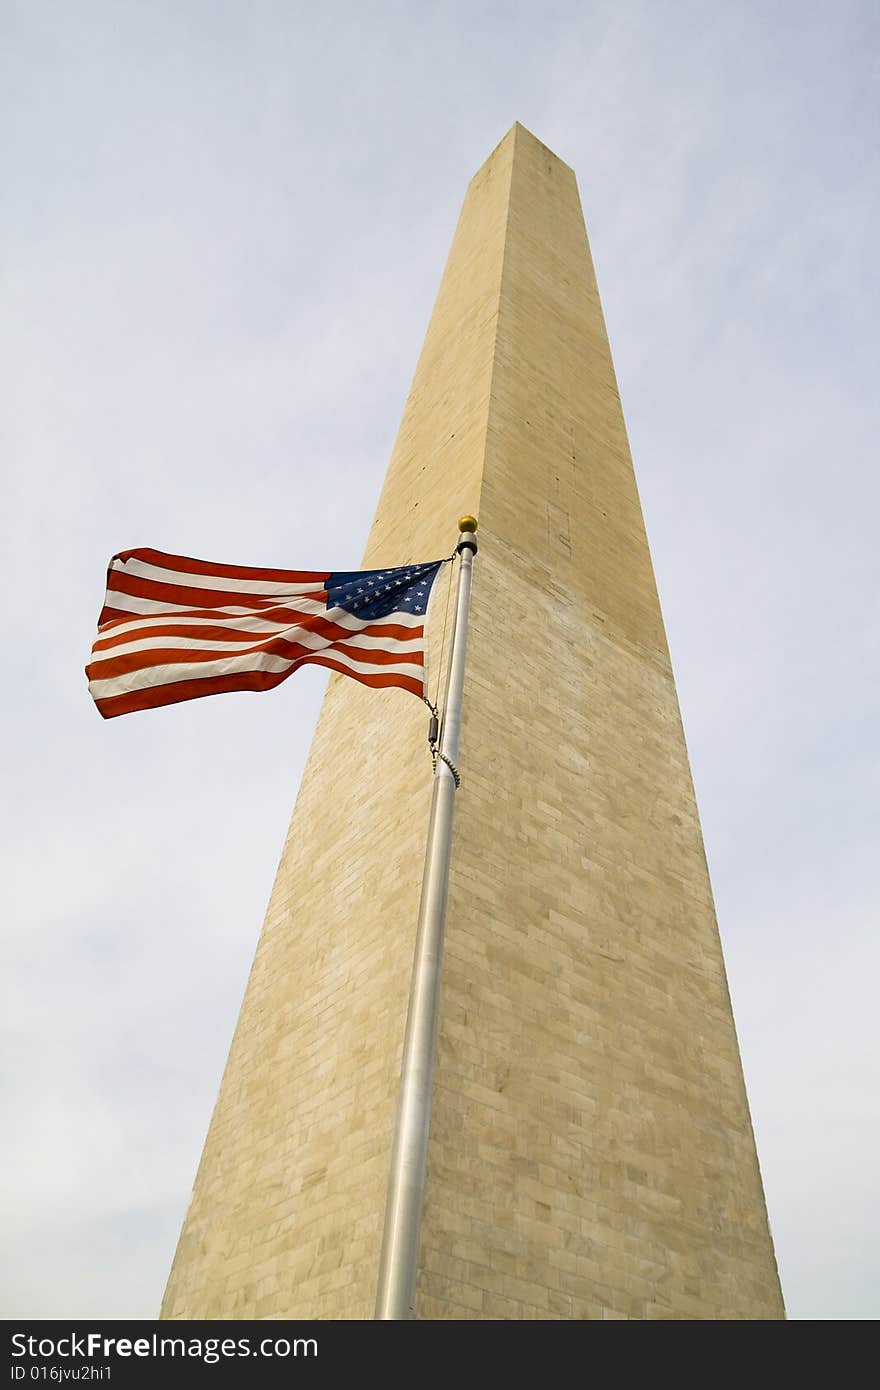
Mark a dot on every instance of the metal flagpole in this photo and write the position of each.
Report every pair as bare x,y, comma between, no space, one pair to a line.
398,1262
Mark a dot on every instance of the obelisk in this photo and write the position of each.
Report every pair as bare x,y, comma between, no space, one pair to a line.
591,1153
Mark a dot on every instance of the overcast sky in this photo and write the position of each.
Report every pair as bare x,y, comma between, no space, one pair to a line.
223,228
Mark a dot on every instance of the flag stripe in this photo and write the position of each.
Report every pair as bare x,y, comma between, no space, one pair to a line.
184,564
278,649
140,569
221,639
332,622
163,674
135,603
195,596
154,697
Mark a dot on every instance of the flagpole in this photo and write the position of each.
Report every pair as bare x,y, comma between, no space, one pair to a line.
398,1262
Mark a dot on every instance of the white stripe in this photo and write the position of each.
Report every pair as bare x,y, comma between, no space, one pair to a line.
312,640
132,603
140,569
241,619
372,668
152,676
385,644
218,617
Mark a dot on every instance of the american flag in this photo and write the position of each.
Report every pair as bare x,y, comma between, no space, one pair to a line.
175,629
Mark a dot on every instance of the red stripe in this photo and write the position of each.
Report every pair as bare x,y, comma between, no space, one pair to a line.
131,662
114,615
313,622
178,691
120,582
380,681
185,565
110,667
280,614
204,632
378,656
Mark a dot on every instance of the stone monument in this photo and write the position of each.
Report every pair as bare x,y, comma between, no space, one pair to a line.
591,1153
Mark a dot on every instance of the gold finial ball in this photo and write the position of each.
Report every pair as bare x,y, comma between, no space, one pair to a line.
467,523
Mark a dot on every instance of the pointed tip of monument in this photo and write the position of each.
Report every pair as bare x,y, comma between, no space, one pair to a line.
518,132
